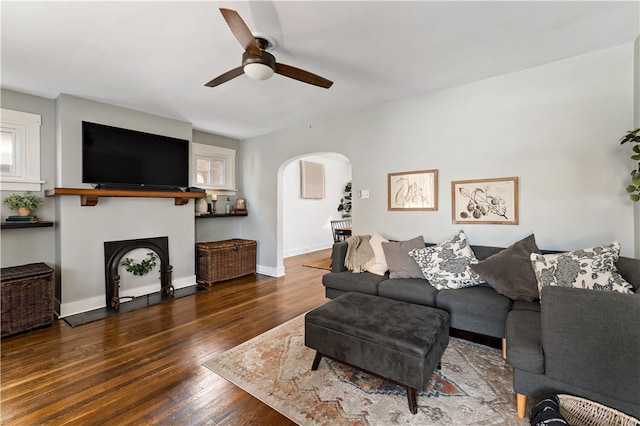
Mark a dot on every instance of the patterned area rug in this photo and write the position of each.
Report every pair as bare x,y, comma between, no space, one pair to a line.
472,388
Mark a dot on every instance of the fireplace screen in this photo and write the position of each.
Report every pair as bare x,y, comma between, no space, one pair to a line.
114,251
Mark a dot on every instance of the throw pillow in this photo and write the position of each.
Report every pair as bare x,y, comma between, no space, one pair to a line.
591,268
379,264
510,273
400,264
447,265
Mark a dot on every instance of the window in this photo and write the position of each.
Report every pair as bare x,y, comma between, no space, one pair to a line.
214,167
20,151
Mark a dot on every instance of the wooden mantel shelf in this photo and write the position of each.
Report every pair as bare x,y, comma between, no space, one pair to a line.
89,196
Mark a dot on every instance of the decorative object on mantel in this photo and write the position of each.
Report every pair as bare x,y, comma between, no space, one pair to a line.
22,219
634,187
241,207
214,199
141,268
23,203
202,206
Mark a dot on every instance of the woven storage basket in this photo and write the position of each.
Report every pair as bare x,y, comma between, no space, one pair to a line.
224,260
583,412
27,297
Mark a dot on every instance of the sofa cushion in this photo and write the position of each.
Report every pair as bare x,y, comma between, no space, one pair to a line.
510,271
524,340
400,264
629,268
379,264
447,265
591,268
364,282
479,309
604,337
412,290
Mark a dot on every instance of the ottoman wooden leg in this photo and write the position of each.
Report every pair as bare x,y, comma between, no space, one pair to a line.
316,361
411,397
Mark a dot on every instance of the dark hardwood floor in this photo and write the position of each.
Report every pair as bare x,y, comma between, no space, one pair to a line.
145,367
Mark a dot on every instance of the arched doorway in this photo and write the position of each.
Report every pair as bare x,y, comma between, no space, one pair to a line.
304,224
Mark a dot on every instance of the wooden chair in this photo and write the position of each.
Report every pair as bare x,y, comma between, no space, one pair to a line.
341,229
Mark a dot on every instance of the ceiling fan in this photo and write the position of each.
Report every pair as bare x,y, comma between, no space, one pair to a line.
257,63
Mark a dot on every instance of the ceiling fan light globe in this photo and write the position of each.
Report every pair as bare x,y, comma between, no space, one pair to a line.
257,71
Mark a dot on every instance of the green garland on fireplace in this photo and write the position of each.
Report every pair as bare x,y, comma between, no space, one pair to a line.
141,268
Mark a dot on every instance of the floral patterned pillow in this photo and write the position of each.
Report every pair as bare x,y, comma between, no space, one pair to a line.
447,265
591,268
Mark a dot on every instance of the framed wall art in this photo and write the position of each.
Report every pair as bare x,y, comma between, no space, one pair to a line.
487,201
413,190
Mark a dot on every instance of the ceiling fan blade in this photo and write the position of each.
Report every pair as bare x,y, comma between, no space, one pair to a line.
241,31
302,75
225,77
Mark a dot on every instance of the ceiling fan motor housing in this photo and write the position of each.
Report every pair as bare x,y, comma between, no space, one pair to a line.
266,59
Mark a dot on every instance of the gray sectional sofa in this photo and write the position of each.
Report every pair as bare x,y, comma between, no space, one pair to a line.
576,341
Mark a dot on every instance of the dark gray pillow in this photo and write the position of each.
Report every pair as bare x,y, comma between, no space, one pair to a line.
400,264
510,272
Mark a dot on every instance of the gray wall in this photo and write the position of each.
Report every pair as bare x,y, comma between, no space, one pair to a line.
556,127
21,246
81,231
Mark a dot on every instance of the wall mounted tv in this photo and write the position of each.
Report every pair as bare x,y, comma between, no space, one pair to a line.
121,158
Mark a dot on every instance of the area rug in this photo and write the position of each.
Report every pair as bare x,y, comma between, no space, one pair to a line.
472,388
320,264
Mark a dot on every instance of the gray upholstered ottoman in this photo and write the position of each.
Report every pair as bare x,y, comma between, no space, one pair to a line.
398,341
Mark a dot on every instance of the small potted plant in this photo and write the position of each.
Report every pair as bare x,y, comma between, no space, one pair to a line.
23,203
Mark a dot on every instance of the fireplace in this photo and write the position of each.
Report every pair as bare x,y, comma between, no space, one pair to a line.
114,251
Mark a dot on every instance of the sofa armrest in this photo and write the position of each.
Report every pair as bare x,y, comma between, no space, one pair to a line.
338,254
591,340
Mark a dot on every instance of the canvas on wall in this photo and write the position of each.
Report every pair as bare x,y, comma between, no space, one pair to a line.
312,180
413,190
486,201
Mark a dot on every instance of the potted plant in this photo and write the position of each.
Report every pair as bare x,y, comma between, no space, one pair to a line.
23,203
634,188
345,202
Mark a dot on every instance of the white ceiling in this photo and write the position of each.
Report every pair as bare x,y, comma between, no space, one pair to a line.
156,56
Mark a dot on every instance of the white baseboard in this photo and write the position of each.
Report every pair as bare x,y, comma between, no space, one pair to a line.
270,271
308,249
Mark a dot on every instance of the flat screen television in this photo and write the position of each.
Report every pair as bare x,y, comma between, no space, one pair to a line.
121,158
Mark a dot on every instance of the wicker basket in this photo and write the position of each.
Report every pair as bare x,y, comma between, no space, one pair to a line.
224,260
27,297
583,412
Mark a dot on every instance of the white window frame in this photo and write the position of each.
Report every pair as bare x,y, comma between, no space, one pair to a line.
226,155
26,129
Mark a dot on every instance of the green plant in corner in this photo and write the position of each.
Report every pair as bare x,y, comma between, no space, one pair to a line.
141,268
27,201
345,202
634,188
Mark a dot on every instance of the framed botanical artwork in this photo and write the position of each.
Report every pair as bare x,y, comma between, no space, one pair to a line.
413,190
487,201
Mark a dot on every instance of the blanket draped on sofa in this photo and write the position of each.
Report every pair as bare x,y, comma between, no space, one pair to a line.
359,253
